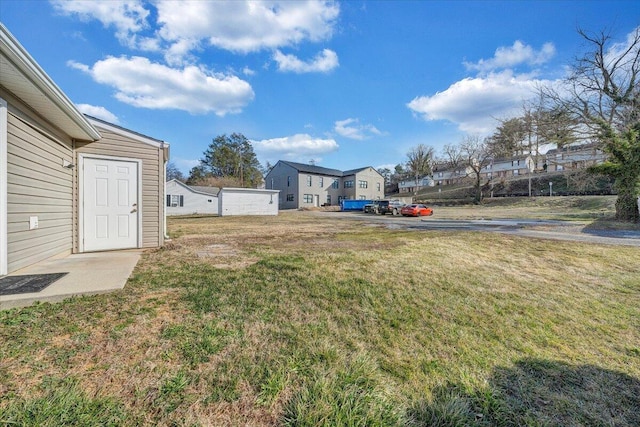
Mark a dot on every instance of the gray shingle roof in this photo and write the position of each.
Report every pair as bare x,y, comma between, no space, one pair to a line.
207,190
354,171
318,170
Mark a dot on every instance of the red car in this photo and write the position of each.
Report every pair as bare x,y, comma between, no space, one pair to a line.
416,210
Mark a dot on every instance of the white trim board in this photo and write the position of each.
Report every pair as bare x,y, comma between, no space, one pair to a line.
3,187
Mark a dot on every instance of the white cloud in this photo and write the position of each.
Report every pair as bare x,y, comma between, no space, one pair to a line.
247,26
127,16
324,62
512,56
98,112
474,104
352,129
141,83
180,27
185,165
299,147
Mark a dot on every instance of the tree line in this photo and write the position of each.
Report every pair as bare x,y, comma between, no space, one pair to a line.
598,103
228,161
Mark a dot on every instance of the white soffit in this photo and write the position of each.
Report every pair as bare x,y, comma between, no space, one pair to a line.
23,77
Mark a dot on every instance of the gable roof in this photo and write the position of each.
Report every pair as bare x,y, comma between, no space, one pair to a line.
318,170
127,132
355,171
23,77
213,191
200,189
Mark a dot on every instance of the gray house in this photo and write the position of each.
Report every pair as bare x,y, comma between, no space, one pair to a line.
303,185
69,183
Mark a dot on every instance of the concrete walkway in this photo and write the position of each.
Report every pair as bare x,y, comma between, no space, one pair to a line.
89,273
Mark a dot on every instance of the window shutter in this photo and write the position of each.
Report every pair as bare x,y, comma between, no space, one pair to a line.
181,200
168,200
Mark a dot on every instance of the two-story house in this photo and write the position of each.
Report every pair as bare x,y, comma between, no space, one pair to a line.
444,174
574,157
508,167
304,185
412,185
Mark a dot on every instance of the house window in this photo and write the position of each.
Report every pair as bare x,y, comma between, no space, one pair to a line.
348,184
289,197
321,182
378,186
439,174
516,172
336,184
329,199
363,184
308,180
363,198
175,200
308,198
288,181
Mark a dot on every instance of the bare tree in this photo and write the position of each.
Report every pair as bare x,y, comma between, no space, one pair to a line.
174,173
420,162
473,154
603,94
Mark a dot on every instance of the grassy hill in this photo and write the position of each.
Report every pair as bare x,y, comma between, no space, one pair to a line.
562,184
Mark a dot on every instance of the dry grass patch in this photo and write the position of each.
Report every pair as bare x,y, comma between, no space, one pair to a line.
329,320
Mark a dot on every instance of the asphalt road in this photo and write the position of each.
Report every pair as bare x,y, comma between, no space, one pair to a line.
542,229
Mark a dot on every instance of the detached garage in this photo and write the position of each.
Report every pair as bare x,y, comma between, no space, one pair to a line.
247,201
69,183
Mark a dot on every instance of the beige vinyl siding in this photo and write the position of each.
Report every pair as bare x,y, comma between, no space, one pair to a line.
116,145
37,185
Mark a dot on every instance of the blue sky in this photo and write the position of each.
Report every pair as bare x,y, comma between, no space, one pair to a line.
345,84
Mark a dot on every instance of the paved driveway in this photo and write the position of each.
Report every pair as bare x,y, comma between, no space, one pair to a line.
543,229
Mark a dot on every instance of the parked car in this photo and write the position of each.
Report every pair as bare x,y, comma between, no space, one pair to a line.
416,210
369,208
378,207
395,206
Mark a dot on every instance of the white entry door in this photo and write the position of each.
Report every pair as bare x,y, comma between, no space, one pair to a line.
110,204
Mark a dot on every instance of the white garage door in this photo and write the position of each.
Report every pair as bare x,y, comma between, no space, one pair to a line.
110,204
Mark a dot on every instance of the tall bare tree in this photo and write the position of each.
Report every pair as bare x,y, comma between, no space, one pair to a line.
473,154
420,162
603,94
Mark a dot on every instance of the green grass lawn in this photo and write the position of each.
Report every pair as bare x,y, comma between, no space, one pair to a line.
303,320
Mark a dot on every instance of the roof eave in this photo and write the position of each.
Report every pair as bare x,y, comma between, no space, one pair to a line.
25,63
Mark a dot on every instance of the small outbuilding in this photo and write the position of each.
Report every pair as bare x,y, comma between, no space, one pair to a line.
247,201
183,199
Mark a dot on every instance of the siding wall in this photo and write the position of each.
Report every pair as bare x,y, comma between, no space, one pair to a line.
152,199
37,185
247,201
193,203
373,178
277,179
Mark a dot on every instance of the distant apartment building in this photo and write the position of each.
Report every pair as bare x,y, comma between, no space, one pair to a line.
508,167
304,185
444,174
414,185
573,157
